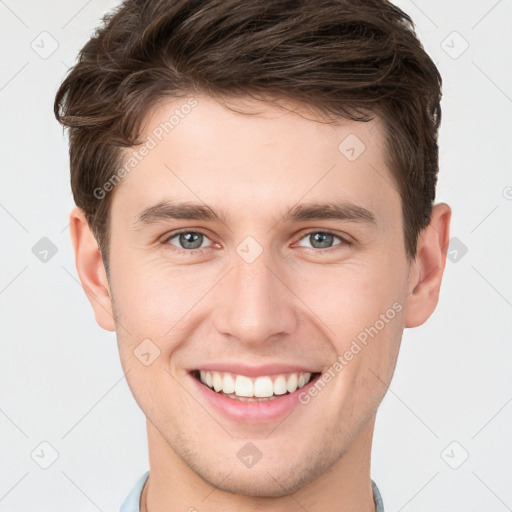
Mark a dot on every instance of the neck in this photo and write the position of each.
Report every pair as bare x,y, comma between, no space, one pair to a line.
173,486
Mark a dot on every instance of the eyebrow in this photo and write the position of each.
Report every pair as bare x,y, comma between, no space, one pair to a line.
170,210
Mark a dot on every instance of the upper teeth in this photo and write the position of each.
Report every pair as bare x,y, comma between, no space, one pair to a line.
264,386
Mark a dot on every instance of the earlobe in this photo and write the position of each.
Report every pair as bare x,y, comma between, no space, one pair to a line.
91,270
427,270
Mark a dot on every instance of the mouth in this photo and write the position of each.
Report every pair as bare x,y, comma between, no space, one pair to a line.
264,388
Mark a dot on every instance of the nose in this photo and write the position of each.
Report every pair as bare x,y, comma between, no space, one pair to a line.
254,304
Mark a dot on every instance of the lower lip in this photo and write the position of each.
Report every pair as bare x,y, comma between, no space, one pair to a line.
252,412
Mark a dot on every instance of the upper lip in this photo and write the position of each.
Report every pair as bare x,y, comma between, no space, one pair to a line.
256,371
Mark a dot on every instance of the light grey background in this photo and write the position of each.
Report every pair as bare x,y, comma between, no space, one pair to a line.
60,378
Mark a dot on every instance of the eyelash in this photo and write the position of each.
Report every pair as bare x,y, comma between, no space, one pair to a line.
174,234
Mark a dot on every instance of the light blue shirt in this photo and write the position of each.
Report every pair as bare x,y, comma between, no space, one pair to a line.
132,501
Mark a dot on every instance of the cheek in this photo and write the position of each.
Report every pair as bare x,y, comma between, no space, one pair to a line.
151,296
362,306
157,307
349,298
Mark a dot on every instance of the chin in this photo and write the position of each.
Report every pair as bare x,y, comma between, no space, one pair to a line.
266,479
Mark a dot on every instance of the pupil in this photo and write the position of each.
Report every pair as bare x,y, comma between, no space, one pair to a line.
323,239
190,240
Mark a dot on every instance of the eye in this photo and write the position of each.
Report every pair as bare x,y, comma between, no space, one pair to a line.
186,240
323,240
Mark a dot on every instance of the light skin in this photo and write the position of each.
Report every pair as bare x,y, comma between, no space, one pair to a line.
296,303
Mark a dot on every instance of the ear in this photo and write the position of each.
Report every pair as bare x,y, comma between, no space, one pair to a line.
91,270
427,269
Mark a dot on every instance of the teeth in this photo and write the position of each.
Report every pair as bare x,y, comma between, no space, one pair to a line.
280,385
291,383
228,384
217,381
264,387
243,386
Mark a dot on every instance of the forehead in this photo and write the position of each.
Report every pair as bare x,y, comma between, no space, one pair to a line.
247,154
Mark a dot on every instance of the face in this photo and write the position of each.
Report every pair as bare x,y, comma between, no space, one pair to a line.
258,253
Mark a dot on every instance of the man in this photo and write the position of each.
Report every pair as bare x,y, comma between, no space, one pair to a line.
254,185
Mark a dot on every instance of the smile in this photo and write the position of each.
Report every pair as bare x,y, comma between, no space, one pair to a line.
255,389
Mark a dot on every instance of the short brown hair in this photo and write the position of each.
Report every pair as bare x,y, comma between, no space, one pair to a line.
345,58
